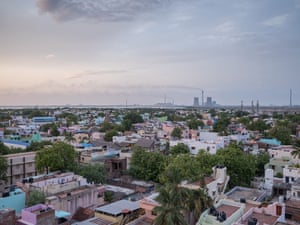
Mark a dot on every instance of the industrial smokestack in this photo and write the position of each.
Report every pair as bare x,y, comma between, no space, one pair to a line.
291,97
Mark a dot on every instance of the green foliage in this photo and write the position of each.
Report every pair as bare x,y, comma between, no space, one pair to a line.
278,175
244,120
170,209
179,149
147,165
108,196
281,133
109,135
3,168
131,118
241,167
93,173
221,125
189,167
296,152
261,160
52,127
106,126
175,201
258,125
35,197
36,146
59,156
69,117
4,150
194,124
176,133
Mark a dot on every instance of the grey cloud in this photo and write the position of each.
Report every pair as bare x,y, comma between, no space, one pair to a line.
96,73
103,10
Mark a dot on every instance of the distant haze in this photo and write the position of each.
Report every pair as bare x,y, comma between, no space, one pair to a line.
107,52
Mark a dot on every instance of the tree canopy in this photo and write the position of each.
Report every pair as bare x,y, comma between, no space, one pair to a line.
35,197
3,168
281,133
131,118
176,133
180,148
109,135
147,165
59,156
93,173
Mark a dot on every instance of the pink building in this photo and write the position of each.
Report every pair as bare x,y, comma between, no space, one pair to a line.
39,215
148,204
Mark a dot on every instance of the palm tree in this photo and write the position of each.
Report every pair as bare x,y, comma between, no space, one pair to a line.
296,152
170,209
196,203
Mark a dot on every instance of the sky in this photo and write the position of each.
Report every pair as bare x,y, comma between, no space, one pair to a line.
113,52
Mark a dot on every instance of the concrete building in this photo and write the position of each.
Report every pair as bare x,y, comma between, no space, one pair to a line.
269,215
148,204
41,120
215,184
291,174
225,212
8,217
196,102
41,214
277,165
295,190
66,191
20,166
283,152
15,143
196,146
11,198
38,215
1,133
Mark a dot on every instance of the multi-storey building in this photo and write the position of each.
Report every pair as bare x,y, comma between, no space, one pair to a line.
20,166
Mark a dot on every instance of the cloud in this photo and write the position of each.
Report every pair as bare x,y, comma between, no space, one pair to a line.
96,73
50,56
103,10
276,21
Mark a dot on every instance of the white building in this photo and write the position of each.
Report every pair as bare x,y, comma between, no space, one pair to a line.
290,174
196,146
283,152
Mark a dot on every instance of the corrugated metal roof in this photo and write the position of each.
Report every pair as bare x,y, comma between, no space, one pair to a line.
116,208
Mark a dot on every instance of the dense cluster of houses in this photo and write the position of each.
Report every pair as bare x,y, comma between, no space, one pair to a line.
70,199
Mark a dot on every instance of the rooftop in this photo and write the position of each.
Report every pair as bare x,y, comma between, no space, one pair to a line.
261,218
93,221
228,209
238,193
116,208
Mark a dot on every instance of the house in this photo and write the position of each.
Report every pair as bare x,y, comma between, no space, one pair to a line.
268,215
291,173
41,214
225,212
1,133
66,191
214,184
118,212
8,216
15,143
20,166
145,143
196,146
295,190
11,198
148,204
